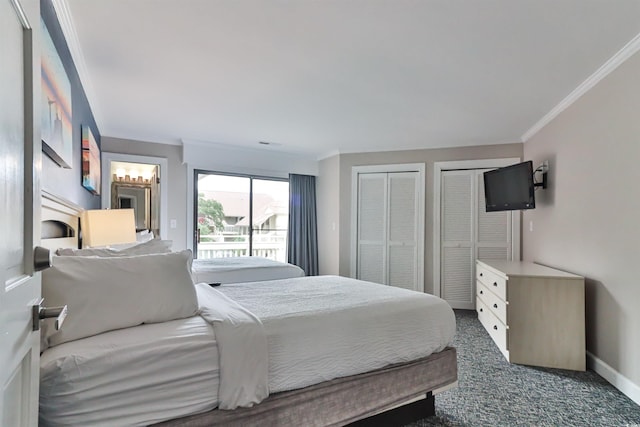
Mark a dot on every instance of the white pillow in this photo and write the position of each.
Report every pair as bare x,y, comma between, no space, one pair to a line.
153,246
103,294
141,237
144,236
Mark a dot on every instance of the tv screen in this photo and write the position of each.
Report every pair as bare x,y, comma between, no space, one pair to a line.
510,188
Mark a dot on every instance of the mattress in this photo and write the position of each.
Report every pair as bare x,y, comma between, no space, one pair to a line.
242,269
325,327
132,376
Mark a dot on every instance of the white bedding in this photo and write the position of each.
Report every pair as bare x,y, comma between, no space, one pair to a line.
242,349
133,376
321,328
242,269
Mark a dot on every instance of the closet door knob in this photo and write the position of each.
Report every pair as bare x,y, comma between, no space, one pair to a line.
495,283
495,327
495,305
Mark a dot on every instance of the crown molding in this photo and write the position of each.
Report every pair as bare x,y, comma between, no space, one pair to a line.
327,154
73,43
614,62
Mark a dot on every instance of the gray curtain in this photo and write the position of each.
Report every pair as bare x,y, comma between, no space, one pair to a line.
302,247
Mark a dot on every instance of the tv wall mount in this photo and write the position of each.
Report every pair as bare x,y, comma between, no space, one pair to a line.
543,169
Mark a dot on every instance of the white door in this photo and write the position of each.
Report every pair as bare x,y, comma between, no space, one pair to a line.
494,237
402,230
389,229
372,223
457,238
468,233
20,286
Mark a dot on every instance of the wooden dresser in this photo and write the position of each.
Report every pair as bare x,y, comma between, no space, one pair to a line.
534,314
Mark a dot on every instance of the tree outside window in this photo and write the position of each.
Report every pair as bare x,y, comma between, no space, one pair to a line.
210,217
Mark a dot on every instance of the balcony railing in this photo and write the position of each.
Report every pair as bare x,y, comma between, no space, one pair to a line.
273,247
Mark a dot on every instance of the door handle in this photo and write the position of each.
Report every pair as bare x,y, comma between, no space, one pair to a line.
40,313
41,258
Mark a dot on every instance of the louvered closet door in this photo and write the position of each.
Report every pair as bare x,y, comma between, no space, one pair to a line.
372,220
494,239
469,232
402,243
457,238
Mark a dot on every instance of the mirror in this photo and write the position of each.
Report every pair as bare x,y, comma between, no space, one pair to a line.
136,198
136,186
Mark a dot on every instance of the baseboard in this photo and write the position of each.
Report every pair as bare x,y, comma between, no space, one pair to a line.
619,381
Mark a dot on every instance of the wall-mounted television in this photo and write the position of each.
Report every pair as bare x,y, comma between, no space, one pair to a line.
510,188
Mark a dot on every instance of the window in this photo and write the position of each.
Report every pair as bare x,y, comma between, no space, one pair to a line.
240,215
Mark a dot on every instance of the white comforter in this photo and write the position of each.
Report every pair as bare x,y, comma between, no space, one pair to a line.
317,329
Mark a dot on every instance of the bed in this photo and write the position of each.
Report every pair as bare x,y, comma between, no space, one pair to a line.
372,349
210,270
242,269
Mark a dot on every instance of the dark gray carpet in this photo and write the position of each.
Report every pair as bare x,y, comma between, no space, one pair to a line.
492,392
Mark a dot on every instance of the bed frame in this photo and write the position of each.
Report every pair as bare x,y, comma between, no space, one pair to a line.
60,222
369,399
392,396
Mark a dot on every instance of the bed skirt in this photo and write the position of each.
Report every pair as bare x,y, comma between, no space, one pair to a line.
341,401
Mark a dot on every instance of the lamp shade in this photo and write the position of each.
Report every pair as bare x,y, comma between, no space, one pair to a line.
103,227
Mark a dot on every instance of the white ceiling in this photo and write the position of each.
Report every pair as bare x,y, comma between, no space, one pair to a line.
325,76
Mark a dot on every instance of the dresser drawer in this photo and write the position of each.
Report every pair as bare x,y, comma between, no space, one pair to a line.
481,308
497,330
497,305
496,283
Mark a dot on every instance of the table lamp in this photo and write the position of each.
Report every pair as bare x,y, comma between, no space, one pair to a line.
104,227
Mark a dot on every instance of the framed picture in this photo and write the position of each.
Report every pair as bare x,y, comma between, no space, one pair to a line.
90,161
56,124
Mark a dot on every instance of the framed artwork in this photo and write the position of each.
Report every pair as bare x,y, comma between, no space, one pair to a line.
56,124
90,161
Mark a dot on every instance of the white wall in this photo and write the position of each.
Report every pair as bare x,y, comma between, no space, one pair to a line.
587,222
328,212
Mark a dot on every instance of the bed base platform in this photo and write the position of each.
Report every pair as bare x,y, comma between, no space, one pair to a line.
402,415
369,399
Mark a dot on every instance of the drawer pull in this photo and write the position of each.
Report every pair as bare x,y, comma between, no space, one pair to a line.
495,327
495,283
495,305
481,275
481,293
481,310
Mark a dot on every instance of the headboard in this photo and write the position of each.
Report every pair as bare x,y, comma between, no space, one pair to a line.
60,220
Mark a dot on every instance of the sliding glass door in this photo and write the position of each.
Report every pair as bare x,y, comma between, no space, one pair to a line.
270,218
240,215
